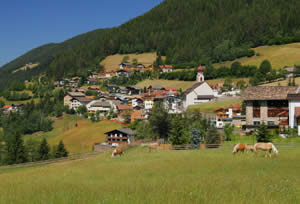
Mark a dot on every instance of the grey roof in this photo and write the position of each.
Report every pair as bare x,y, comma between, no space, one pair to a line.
157,87
101,104
127,131
83,100
76,94
269,92
189,90
205,97
134,87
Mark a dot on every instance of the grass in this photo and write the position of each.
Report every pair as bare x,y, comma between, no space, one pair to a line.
283,82
112,62
279,56
26,67
211,106
197,176
77,139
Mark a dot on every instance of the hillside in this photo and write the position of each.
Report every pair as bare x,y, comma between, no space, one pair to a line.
279,55
197,31
77,139
112,62
210,176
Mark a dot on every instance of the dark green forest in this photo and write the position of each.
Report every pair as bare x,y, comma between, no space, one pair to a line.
191,31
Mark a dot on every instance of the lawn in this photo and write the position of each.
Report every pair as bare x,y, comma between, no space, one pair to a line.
113,62
78,139
279,56
210,107
194,176
26,67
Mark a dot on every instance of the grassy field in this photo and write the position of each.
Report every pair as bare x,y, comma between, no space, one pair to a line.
26,67
77,139
279,56
283,82
195,176
112,62
211,106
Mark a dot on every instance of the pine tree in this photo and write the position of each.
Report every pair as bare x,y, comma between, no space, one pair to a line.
213,136
15,151
44,150
61,151
262,134
178,134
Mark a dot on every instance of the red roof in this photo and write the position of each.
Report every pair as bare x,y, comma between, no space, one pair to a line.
230,106
170,89
137,115
7,106
124,107
200,68
237,106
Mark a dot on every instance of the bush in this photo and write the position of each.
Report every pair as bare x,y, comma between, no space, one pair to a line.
262,134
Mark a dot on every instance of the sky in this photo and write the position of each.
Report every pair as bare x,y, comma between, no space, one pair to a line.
27,24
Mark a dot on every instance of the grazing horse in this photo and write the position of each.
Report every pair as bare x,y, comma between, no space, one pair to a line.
117,151
268,147
239,148
250,148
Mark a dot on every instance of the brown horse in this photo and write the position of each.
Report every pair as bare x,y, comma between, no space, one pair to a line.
117,151
239,148
267,147
250,148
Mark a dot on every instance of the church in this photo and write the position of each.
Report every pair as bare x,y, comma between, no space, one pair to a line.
200,92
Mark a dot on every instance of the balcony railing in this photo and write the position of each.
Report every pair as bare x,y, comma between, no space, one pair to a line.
278,112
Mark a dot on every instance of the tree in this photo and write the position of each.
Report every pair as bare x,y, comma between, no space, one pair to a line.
134,62
127,116
197,136
125,59
144,131
14,146
241,84
262,134
159,121
82,110
213,136
228,130
178,133
44,150
60,150
32,147
265,67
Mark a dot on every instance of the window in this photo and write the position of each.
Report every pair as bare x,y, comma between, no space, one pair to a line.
256,122
271,123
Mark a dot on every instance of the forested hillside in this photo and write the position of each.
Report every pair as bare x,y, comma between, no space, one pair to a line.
193,31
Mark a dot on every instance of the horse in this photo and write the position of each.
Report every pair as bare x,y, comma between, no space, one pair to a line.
250,148
268,147
239,148
117,151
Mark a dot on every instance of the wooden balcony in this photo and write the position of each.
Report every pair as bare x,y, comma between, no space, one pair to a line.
119,138
278,112
119,142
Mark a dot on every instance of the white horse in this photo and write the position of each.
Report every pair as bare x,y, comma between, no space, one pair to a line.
268,147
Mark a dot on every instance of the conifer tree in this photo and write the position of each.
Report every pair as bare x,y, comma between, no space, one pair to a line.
14,147
262,134
44,150
61,150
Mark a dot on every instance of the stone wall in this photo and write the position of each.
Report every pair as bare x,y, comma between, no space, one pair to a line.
249,112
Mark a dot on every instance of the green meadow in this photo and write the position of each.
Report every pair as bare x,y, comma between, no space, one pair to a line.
140,176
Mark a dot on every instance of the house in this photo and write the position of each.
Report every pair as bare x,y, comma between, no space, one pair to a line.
199,93
123,72
112,87
138,115
276,106
125,66
148,102
141,66
153,88
173,104
102,106
92,81
75,99
231,114
166,68
123,90
94,75
107,74
120,136
291,71
134,90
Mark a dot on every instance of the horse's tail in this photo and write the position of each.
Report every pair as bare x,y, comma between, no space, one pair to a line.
275,150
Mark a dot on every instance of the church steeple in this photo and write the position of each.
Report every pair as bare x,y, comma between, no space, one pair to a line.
200,75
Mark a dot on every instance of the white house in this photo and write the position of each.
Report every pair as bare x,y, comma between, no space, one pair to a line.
102,106
199,93
148,103
78,101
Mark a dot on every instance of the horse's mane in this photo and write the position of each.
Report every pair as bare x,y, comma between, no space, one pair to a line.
235,148
273,147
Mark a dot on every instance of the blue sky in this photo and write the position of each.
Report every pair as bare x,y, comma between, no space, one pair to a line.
26,24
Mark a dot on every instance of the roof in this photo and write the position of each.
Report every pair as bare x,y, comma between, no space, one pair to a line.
124,107
134,87
170,88
157,87
83,99
76,94
123,130
137,115
7,106
189,90
101,104
290,69
268,92
205,97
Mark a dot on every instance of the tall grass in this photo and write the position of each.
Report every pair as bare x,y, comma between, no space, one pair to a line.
197,176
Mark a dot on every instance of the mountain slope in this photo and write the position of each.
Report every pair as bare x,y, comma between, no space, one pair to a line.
197,31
